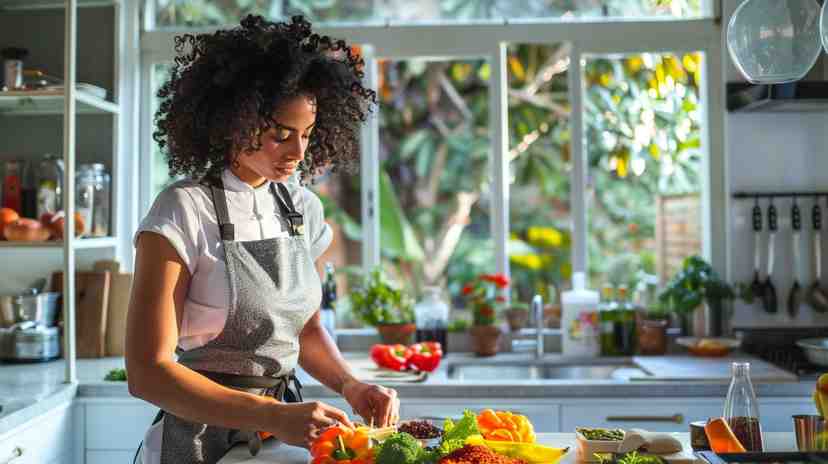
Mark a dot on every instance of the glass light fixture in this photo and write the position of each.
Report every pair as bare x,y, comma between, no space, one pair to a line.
775,41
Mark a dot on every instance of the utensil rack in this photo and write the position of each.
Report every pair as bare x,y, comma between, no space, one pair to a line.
758,195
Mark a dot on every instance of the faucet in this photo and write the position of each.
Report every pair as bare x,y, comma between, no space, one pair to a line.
537,309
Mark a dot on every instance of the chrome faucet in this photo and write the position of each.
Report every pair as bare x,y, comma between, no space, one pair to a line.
537,310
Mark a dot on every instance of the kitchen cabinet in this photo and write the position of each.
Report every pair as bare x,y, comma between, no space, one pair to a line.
658,415
47,438
114,426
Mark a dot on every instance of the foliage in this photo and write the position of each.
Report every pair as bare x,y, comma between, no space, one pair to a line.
456,433
116,375
486,297
377,300
695,283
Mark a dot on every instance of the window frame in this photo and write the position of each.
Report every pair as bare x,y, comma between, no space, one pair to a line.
489,39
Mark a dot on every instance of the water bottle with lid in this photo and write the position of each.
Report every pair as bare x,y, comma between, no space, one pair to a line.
431,314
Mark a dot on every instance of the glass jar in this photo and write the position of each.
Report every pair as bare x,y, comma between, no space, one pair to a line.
92,199
50,185
741,410
431,314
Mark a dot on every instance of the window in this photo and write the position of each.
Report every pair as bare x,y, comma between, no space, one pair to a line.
167,13
584,146
643,132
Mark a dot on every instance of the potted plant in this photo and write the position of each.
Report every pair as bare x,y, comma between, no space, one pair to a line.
379,302
652,330
517,316
697,283
486,297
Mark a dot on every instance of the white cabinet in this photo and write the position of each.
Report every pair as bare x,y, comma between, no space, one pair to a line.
659,415
45,439
113,428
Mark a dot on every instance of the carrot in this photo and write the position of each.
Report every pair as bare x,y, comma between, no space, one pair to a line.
721,437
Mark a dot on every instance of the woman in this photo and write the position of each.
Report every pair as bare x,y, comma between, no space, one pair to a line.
225,275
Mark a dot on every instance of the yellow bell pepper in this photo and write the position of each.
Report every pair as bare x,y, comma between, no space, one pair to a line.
529,452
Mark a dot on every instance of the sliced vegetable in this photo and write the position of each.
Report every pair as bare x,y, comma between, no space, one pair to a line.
721,437
394,357
505,426
426,356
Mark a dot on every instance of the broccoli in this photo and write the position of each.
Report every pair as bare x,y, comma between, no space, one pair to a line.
400,448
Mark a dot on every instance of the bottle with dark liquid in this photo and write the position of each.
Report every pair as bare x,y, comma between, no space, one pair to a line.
741,409
431,314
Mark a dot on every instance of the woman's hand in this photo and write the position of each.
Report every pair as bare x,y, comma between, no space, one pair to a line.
299,424
373,402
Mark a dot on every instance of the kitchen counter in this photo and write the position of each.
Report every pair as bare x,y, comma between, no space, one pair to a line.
27,390
274,453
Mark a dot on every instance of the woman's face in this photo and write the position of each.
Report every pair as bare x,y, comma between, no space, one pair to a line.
283,146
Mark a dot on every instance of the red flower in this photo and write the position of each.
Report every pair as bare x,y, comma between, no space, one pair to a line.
498,279
500,299
468,289
487,311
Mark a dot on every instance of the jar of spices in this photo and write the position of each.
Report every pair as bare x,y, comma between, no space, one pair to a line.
13,67
49,185
92,198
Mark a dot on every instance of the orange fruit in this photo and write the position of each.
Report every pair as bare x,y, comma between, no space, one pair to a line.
7,216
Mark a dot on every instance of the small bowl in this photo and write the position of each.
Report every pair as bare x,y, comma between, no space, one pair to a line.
719,346
811,432
586,448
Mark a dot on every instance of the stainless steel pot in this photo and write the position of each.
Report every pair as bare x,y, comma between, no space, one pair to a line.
29,342
816,350
41,308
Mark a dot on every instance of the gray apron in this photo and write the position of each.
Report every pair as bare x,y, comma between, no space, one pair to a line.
274,290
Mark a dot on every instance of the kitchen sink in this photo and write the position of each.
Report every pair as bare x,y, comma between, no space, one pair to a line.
545,371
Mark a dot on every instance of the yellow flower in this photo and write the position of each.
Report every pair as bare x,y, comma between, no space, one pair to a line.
529,261
545,237
566,271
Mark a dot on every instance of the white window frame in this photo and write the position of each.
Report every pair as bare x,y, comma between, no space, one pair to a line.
489,39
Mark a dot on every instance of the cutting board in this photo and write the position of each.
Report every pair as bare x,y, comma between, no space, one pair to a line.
91,301
120,286
367,371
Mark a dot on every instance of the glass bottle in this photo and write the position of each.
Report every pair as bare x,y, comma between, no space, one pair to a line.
607,315
741,410
431,314
49,185
327,311
625,323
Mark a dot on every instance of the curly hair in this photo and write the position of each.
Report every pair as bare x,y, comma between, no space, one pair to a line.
225,88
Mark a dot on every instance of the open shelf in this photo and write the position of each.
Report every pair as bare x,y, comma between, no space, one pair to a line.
43,102
12,5
80,244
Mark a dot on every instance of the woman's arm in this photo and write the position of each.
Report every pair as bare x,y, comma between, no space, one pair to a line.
320,357
160,288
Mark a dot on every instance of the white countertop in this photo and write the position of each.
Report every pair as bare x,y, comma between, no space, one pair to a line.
275,453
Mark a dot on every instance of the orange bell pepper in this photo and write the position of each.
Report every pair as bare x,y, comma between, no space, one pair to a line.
505,426
721,437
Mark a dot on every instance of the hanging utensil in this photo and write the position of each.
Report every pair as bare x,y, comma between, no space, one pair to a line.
795,295
817,297
756,286
768,290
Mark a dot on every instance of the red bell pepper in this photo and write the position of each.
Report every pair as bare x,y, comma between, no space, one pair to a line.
394,357
426,356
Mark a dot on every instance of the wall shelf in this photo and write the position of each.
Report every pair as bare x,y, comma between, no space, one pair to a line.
48,102
80,244
28,5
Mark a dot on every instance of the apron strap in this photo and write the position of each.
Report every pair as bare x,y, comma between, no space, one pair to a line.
226,229
294,221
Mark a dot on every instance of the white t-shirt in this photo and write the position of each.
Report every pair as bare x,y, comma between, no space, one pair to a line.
183,213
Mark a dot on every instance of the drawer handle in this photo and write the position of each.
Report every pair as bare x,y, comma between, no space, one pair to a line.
677,418
16,453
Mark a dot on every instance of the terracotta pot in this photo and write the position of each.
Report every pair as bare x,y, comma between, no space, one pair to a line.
652,336
392,334
485,339
517,319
